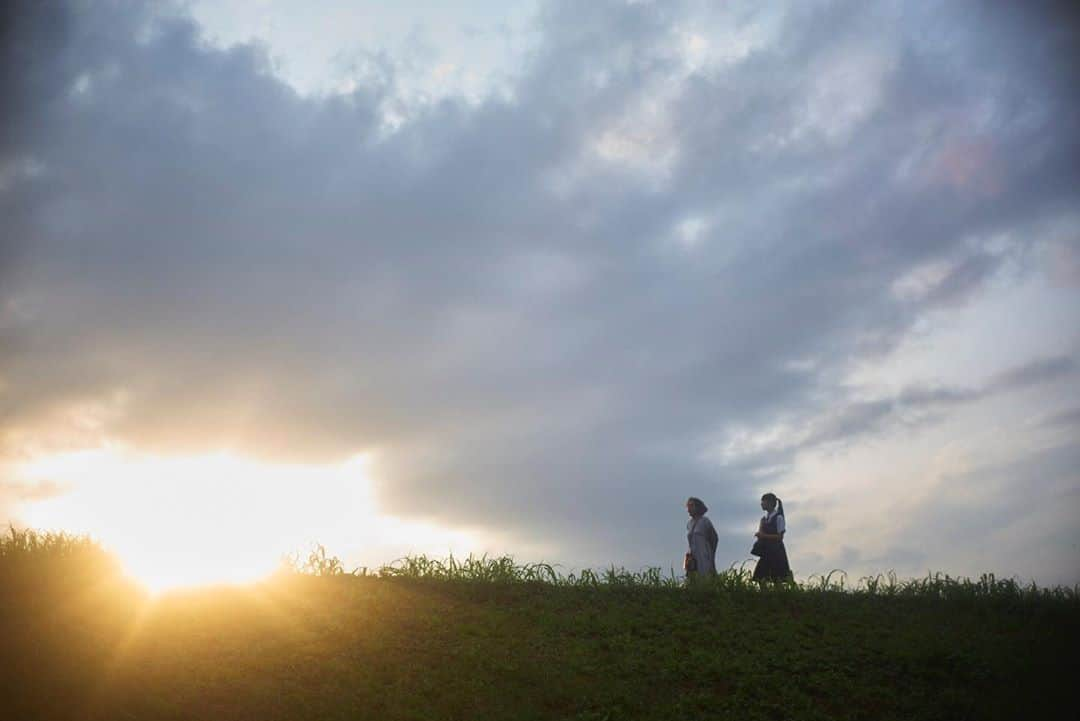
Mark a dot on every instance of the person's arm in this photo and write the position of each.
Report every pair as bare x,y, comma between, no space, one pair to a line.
773,536
713,537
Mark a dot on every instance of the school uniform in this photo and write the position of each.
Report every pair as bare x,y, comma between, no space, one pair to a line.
773,563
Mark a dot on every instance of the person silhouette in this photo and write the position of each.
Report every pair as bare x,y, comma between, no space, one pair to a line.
772,563
701,539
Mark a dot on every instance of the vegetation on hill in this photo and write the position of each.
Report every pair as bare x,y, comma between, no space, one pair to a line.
492,639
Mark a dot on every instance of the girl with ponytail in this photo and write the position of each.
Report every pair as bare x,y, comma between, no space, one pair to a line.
772,563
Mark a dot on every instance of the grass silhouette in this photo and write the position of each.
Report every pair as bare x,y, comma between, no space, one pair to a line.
494,639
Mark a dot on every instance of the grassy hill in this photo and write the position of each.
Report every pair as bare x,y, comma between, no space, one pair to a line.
487,639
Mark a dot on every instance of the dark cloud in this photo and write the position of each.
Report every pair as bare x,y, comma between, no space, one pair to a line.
495,297
840,420
1043,370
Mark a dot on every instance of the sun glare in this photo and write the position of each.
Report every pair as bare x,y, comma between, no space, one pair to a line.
220,518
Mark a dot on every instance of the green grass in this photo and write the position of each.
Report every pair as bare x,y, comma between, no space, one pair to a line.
488,638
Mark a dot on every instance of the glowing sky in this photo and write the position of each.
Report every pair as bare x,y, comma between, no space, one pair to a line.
519,277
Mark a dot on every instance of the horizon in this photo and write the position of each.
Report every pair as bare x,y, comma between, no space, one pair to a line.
519,278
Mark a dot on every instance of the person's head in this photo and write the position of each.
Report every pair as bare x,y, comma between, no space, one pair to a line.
769,502
695,507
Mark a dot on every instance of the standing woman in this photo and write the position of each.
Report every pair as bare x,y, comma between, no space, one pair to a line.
702,539
773,562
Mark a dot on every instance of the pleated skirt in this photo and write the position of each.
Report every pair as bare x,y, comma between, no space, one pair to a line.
773,564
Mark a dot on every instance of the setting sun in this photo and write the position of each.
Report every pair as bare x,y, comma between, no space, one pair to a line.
220,518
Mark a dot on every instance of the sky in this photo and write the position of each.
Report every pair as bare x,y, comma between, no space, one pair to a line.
520,277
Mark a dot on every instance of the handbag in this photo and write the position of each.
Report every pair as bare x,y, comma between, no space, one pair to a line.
758,549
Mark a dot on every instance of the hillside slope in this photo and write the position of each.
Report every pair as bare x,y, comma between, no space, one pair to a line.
343,647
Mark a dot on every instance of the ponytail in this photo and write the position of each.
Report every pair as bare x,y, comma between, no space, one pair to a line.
777,503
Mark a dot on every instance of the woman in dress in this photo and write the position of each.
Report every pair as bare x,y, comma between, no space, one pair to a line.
701,538
773,562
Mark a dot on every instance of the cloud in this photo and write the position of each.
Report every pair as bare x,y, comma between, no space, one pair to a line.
944,283
14,494
484,294
1064,419
843,417
1041,371
1009,506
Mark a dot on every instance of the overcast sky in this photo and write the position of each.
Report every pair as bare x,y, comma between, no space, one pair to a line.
555,266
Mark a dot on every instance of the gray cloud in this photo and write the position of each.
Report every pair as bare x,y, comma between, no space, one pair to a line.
1041,371
1064,419
840,419
493,296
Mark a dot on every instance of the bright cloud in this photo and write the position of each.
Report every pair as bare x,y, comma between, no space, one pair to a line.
557,267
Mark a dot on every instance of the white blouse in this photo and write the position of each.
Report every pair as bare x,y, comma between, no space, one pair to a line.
780,525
